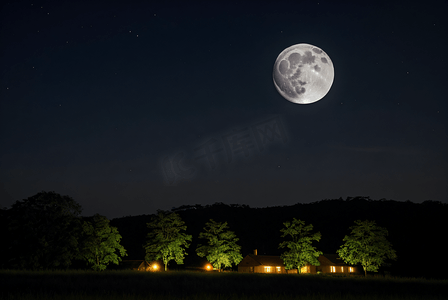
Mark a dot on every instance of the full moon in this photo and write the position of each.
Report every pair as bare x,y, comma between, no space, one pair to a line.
303,73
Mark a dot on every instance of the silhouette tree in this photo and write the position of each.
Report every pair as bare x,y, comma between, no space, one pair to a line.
166,240
366,245
222,249
101,243
44,231
301,250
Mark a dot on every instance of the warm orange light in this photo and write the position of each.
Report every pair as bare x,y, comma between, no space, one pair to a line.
208,267
305,269
155,267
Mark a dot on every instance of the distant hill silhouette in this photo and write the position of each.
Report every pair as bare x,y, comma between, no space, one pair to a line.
416,231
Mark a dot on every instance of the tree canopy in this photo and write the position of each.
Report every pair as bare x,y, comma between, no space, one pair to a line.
366,245
301,251
44,231
166,239
101,243
222,249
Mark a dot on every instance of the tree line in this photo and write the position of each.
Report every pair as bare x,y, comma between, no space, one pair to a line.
45,231
366,245
414,229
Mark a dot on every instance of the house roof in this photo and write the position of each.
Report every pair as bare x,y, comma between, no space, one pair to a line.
268,260
331,260
261,260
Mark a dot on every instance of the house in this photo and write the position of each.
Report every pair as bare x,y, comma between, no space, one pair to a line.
254,263
329,263
333,264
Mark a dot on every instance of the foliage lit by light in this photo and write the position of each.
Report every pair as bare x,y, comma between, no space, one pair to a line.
301,251
221,249
166,241
101,244
367,245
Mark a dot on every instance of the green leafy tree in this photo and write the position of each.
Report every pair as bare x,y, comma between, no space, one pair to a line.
101,243
222,249
366,245
44,230
301,251
166,241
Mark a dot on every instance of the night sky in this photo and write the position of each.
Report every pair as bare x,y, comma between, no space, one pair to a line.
134,106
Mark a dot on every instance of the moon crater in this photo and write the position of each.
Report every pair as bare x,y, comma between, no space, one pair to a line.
303,73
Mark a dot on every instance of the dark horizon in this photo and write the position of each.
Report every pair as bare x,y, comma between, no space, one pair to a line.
413,229
183,207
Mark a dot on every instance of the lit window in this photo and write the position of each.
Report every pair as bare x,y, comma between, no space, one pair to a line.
305,269
279,269
268,269
351,270
333,269
342,269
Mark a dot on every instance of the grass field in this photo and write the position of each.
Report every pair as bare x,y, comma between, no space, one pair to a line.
197,285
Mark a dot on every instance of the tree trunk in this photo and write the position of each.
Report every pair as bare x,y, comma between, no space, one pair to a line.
166,264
